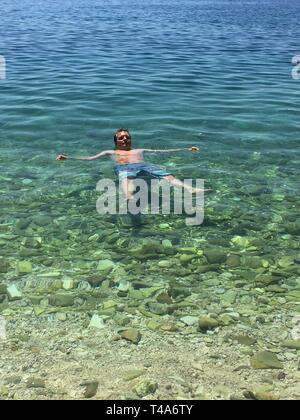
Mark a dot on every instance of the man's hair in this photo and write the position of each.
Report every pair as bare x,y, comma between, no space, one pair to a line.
119,130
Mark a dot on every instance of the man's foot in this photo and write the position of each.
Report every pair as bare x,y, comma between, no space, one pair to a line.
198,190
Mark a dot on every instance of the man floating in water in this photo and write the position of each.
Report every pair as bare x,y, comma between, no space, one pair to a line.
130,163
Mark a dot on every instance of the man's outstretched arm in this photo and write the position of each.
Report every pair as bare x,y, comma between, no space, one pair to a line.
190,149
104,153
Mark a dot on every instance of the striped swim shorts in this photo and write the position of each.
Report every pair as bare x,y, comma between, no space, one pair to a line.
133,170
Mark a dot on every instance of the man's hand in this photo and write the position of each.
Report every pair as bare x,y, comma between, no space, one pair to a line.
61,157
194,149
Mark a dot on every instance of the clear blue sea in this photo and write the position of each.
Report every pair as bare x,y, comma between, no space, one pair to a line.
214,74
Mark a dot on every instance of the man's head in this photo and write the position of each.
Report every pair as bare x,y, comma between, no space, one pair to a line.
122,139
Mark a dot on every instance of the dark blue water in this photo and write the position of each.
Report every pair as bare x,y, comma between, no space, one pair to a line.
78,69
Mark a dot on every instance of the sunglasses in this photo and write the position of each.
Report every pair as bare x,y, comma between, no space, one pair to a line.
125,136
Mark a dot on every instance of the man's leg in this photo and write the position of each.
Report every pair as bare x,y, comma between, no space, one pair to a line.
129,219
177,183
127,187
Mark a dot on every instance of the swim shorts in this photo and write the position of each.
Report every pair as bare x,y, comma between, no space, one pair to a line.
133,170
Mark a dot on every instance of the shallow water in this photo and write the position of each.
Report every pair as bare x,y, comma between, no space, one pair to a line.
215,74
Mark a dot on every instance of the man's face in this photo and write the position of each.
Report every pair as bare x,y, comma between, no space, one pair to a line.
123,140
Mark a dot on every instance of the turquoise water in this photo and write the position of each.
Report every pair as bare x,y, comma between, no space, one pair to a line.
215,74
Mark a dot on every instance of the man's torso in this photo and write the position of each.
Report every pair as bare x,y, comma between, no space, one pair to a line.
122,157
